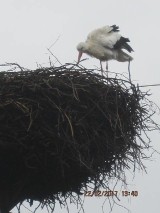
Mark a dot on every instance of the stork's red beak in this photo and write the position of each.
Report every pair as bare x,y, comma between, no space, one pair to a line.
79,56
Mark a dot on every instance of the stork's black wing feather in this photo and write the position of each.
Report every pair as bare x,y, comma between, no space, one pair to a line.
115,28
122,44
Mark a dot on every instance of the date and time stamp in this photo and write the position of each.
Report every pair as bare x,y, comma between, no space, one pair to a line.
110,193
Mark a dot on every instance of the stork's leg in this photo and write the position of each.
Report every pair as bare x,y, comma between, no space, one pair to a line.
106,65
129,70
101,67
107,68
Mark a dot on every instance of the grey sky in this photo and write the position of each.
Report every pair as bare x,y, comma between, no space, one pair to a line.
29,27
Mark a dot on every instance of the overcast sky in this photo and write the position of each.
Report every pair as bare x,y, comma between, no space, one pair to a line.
29,27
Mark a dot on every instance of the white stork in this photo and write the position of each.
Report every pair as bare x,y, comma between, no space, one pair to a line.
105,44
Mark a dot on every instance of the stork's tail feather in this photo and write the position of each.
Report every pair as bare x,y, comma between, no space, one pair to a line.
122,56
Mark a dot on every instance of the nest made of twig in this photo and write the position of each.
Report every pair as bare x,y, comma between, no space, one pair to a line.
65,127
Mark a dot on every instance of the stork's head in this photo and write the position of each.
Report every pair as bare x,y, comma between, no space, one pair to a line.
81,47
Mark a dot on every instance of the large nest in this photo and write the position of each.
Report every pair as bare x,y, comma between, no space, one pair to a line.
63,128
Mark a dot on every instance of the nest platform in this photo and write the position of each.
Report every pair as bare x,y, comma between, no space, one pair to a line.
63,128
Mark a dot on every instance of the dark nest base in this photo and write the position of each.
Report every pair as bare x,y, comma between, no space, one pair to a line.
63,128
